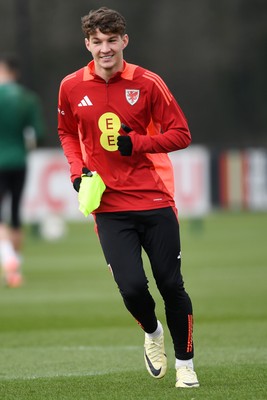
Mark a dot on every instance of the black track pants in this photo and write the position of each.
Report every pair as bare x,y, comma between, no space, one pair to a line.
122,237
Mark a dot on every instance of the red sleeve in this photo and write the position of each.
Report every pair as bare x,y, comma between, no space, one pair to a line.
68,135
173,132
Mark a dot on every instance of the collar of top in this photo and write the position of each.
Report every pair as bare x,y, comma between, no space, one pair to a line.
126,73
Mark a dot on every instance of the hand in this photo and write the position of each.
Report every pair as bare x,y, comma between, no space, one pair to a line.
126,128
86,172
77,181
90,193
125,145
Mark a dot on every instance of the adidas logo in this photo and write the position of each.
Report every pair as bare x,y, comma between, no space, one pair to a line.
85,102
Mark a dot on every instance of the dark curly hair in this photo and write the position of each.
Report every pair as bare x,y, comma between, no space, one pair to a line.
104,19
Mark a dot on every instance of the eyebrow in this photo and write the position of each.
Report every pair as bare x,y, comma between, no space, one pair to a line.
112,36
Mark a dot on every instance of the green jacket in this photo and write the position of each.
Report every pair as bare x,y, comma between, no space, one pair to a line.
19,109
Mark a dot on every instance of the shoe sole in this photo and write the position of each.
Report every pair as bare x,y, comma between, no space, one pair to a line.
183,385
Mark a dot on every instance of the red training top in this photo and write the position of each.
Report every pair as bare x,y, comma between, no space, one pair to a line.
90,113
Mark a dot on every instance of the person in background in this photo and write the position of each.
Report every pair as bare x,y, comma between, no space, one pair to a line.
121,120
21,126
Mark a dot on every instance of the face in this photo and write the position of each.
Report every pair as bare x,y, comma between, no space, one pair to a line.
107,52
6,74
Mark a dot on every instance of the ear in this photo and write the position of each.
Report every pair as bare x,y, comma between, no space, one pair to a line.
87,44
125,40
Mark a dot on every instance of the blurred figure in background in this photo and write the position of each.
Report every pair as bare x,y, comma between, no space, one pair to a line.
21,128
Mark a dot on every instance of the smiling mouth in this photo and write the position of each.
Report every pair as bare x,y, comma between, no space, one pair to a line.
106,57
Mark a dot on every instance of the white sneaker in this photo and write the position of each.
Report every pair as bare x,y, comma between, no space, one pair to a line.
186,378
155,357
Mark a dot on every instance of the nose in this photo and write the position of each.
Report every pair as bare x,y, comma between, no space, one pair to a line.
105,47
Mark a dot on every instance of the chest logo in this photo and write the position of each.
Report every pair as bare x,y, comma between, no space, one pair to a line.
85,102
132,96
109,124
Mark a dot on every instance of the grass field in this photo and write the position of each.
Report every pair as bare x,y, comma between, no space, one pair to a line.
66,335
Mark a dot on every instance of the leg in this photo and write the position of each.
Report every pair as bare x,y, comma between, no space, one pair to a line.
12,182
161,240
17,180
6,247
3,192
121,246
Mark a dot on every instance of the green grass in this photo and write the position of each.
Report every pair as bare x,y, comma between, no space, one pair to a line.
66,334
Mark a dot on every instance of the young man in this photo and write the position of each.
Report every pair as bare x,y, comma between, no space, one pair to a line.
121,120
20,110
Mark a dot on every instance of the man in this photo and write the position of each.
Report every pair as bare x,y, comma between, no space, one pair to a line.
20,120
121,120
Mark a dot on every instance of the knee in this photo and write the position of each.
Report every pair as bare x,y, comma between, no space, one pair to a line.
133,290
172,289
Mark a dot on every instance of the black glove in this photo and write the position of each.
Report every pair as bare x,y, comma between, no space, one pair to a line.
125,145
77,181
76,184
126,128
87,172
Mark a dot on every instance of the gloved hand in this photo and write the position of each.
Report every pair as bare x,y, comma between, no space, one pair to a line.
77,181
125,145
86,172
90,192
126,128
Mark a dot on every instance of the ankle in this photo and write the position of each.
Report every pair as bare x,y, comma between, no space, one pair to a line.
184,363
158,332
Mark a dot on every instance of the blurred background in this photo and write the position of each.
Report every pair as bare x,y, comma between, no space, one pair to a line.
212,55
68,318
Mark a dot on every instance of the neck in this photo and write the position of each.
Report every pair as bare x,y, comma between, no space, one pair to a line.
106,73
